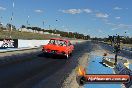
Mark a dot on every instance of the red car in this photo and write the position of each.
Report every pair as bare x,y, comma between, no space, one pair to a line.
59,46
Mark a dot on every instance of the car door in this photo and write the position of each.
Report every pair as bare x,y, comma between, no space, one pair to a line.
72,47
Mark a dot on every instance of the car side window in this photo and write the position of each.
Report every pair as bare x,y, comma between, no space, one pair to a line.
64,44
69,44
53,42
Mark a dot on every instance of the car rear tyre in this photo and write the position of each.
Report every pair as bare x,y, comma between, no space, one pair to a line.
67,56
70,54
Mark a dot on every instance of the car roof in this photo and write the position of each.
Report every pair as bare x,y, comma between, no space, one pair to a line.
59,39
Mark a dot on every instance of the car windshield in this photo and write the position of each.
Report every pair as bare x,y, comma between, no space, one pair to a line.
61,43
53,42
57,42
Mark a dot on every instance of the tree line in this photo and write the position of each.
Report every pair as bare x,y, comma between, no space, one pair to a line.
122,39
54,31
62,33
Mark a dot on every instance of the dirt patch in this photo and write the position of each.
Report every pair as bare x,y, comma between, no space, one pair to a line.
71,82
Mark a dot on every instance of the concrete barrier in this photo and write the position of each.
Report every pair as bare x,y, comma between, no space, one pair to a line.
31,43
38,43
25,45
1,42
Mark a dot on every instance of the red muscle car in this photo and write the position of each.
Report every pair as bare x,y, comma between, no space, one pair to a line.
59,46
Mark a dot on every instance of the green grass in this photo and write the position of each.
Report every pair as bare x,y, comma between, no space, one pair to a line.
25,35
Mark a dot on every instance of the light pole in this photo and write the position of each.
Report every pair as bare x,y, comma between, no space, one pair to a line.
43,24
115,40
55,28
1,22
12,16
28,20
49,27
117,47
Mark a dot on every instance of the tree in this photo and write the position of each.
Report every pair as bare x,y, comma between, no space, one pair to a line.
8,26
23,26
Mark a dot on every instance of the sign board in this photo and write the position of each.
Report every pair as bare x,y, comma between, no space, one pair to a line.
120,68
8,43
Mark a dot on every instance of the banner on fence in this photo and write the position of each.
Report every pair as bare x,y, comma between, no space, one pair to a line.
8,43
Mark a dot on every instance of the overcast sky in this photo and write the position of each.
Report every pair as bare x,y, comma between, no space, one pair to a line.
94,17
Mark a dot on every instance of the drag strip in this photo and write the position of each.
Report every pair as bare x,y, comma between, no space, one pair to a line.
30,69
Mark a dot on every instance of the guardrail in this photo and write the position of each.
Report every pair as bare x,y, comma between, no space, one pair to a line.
28,44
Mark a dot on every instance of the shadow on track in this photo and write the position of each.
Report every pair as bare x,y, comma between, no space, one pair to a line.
51,56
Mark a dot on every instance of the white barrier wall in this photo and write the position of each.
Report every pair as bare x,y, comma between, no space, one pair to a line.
37,43
1,42
31,43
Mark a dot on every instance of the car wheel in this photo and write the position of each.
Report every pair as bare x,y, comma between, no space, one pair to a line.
70,54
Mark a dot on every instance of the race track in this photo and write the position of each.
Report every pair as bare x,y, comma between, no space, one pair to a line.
34,70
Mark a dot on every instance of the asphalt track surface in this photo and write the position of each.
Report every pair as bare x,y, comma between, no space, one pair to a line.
28,70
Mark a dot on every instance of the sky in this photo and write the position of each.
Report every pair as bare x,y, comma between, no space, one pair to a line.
97,18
